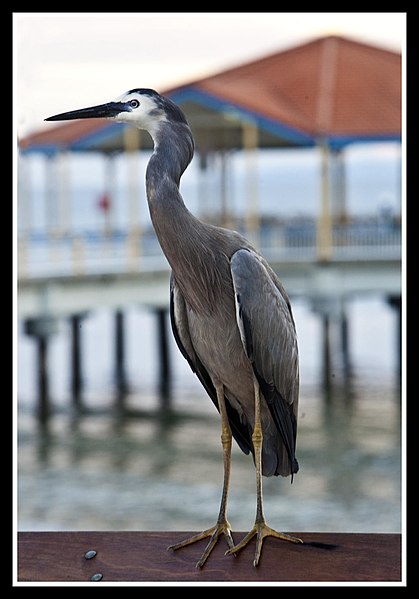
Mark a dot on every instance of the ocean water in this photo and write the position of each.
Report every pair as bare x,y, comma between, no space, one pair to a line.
100,472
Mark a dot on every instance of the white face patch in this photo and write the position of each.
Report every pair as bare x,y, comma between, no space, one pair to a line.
147,115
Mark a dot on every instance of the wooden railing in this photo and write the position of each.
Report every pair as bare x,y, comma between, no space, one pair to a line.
103,557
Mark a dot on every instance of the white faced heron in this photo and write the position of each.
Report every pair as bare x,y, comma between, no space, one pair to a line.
230,314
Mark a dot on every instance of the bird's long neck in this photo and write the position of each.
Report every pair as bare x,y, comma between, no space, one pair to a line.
173,151
183,237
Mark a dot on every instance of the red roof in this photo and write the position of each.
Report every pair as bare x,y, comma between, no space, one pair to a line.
80,134
332,87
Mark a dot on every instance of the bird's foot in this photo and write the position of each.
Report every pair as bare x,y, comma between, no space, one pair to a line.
214,533
261,530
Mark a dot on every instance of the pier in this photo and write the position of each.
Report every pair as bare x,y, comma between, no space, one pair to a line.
365,260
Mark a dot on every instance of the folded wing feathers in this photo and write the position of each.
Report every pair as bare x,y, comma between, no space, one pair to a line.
268,335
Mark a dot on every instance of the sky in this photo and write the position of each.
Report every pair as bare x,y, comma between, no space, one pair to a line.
64,61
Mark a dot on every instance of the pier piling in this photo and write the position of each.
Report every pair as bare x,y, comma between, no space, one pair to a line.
41,329
164,377
76,361
120,373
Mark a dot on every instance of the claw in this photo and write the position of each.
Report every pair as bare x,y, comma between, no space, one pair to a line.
261,530
214,532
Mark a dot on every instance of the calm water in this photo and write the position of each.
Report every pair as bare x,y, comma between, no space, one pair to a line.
100,473
97,473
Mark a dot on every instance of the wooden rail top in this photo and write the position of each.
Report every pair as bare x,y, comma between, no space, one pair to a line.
143,557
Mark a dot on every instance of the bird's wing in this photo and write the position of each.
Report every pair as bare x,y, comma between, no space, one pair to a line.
268,335
180,328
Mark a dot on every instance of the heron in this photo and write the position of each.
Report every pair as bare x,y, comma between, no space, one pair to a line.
230,315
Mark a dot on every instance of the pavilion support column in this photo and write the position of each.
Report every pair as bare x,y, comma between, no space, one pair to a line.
106,201
250,137
24,212
25,197
107,209
204,194
132,146
324,219
51,205
63,193
224,209
338,193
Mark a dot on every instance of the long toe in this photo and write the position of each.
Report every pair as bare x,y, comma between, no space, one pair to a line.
214,533
261,531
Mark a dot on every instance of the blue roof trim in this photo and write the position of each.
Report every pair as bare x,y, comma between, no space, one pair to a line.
270,126
274,127
87,142
102,135
47,149
338,142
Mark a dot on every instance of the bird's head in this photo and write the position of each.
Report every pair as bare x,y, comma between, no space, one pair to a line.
143,108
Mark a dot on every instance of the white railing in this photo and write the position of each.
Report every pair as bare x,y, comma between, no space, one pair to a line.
77,254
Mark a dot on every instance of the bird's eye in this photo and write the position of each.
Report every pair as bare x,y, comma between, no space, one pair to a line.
134,103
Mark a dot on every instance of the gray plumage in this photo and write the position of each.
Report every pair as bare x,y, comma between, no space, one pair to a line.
230,314
225,298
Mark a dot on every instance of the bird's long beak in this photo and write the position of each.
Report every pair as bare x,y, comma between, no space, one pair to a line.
109,110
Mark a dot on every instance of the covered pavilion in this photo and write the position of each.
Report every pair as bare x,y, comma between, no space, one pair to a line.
329,92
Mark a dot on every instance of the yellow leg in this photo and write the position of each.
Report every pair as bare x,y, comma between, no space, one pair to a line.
260,528
222,526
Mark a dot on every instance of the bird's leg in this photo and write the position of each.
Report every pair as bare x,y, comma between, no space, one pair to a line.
222,526
260,528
